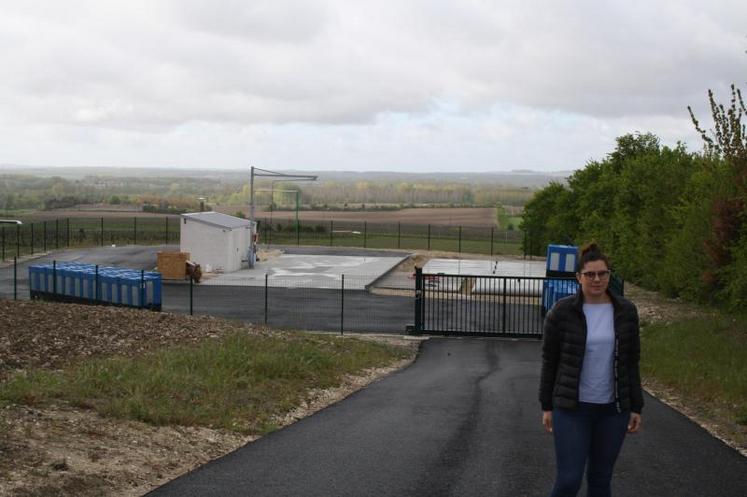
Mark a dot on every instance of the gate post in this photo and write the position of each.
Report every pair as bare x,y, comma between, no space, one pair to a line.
418,300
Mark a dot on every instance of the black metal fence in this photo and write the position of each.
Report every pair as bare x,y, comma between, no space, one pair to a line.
42,236
342,303
479,305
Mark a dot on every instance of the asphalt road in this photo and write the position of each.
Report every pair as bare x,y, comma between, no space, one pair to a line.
463,420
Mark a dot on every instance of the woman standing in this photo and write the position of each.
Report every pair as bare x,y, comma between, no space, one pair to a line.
590,387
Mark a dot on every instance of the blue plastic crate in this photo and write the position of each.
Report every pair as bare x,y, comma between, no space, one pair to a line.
78,282
561,259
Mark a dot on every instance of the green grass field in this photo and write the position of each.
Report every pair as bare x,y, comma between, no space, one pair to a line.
704,360
241,382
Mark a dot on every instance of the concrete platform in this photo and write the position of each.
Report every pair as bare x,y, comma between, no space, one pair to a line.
473,267
311,271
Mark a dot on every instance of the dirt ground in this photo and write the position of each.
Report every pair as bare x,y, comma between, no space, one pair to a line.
456,216
64,451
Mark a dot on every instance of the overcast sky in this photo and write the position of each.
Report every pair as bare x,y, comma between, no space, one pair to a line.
405,85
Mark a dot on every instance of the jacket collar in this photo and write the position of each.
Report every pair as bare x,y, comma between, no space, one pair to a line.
578,300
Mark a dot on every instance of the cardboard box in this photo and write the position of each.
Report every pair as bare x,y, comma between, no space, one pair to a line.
172,265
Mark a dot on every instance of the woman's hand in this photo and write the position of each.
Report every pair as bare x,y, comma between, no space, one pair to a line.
547,421
634,425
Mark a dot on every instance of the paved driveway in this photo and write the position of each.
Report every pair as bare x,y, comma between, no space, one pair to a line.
463,420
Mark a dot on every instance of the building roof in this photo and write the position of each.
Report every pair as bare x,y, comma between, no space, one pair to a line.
218,219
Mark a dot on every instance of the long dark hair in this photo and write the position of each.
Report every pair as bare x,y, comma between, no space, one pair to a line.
588,253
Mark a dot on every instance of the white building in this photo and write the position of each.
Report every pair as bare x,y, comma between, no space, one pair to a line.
216,241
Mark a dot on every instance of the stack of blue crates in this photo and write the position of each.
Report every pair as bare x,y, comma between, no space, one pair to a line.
76,282
561,263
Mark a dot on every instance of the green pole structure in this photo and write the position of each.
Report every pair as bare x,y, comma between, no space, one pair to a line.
18,240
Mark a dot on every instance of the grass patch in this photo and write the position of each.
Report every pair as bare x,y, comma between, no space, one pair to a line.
703,359
240,382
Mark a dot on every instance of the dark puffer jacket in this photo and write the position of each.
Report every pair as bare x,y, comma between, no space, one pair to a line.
563,349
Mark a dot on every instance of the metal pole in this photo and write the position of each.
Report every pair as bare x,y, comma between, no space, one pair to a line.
15,277
266,298
251,215
342,304
331,230
54,278
142,288
418,300
18,240
96,286
297,201
298,234
3,232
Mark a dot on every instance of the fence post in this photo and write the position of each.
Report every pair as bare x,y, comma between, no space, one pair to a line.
18,240
44,243
57,233
298,233
96,294
134,230
54,278
365,233
266,298
15,277
102,231
491,241
342,304
191,295
503,312
418,300
460,239
429,237
331,231
399,233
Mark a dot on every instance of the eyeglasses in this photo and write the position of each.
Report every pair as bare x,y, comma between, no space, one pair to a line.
591,275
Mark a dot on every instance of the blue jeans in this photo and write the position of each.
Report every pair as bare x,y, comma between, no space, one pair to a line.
593,433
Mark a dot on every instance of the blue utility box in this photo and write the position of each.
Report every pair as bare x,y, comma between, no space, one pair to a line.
561,274
89,284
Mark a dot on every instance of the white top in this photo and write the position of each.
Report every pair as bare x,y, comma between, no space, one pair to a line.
597,381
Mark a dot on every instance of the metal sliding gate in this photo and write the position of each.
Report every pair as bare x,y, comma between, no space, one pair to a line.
478,305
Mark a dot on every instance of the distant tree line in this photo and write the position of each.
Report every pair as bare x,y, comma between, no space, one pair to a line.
670,219
158,194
